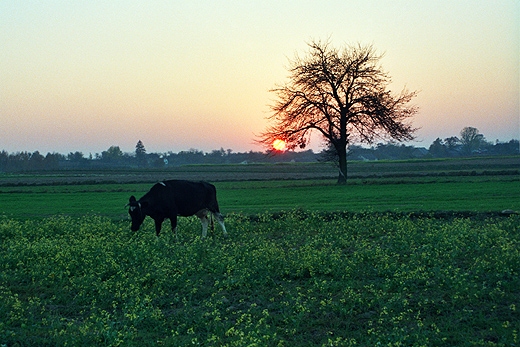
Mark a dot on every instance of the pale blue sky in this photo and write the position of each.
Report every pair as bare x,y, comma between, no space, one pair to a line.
85,75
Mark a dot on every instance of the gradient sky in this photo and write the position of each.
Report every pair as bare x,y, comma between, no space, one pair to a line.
86,75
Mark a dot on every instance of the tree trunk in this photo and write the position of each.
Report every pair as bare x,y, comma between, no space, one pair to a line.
342,160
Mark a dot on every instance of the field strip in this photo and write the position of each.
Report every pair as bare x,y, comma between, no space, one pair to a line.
252,197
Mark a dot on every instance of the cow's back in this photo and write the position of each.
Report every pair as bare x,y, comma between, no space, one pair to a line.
190,197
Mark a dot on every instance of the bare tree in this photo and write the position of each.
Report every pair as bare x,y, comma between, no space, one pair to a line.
342,95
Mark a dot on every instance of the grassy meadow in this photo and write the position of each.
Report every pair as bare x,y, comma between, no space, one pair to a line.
475,194
395,258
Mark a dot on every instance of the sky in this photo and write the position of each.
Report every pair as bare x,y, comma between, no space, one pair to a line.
86,75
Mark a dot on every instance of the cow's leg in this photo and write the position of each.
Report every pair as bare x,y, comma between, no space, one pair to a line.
204,220
220,219
211,223
173,222
158,224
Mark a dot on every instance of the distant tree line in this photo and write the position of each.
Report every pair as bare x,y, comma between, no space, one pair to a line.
115,158
470,143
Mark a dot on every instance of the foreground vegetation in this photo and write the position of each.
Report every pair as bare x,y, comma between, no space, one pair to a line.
289,279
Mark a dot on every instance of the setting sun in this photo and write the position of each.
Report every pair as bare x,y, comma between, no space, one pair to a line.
279,145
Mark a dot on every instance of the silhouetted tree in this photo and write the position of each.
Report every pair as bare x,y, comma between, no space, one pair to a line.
140,154
75,156
438,149
343,96
113,154
52,160
36,161
393,151
4,160
452,142
506,148
471,140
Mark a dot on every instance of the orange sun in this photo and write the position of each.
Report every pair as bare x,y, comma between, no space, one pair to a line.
279,145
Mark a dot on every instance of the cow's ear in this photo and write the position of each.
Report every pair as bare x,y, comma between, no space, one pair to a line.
132,199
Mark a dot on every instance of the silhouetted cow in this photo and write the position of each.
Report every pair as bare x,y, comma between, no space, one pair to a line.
169,199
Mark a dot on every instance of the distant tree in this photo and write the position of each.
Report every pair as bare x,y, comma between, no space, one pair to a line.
438,149
19,161
4,160
218,152
216,156
140,154
76,156
506,148
36,161
452,143
330,154
52,160
192,156
342,94
356,152
471,140
394,151
76,160
113,154
155,159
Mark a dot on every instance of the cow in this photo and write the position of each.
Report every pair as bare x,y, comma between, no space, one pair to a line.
169,199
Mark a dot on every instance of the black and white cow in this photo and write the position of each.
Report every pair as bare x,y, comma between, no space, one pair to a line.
169,199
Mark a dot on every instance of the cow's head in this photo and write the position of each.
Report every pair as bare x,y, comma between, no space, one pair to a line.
136,213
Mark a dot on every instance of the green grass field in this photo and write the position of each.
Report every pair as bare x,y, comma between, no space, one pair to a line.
307,263
250,197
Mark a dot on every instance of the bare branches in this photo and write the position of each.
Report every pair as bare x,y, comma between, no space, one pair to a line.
341,94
